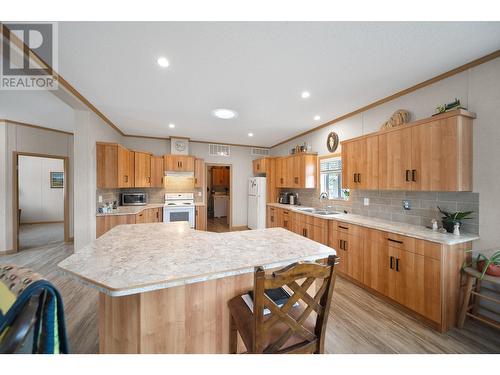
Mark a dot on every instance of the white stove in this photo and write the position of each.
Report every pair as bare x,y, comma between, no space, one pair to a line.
179,207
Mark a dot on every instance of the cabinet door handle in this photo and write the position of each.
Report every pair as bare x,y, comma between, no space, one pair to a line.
359,177
397,264
340,244
414,175
125,178
391,240
355,177
296,180
391,260
345,245
407,175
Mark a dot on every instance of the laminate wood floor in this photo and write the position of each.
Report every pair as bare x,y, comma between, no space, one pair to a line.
217,224
359,322
35,235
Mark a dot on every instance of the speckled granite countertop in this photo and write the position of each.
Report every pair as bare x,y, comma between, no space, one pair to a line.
137,258
404,229
133,210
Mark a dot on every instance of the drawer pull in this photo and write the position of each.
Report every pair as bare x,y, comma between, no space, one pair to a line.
341,227
390,239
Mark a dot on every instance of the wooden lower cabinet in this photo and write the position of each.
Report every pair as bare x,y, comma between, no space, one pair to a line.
201,218
108,222
420,275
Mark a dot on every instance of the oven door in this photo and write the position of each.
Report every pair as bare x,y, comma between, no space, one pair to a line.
172,213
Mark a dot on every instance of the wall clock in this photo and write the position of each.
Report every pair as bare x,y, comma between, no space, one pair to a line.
332,142
179,146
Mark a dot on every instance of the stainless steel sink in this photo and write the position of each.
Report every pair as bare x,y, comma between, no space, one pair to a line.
317,212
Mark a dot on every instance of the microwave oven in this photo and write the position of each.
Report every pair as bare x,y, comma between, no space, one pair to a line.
134,199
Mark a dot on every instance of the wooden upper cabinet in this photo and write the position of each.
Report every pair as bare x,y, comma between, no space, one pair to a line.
157,171
199,173
441,155
220,176
260,166
179,163
115,166
297,171
142,169
429,155
360,163
395,160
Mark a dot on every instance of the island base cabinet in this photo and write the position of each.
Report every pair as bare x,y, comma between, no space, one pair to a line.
190,318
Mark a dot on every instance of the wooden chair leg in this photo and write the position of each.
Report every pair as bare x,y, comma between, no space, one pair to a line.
233,336
465,305
477,299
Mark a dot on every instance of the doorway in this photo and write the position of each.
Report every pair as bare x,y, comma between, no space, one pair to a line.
219,193
40,204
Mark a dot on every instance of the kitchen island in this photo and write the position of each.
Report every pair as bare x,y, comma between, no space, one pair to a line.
164,287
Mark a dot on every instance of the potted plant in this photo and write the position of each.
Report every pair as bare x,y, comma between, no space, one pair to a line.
489,265
449,219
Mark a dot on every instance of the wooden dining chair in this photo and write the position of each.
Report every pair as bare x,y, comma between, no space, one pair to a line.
299,325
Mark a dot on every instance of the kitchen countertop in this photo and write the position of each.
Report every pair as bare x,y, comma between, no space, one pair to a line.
138,258
416,231
133,210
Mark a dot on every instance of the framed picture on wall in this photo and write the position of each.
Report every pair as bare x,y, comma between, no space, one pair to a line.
56,180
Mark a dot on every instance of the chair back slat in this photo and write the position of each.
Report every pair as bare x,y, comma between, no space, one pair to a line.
298,279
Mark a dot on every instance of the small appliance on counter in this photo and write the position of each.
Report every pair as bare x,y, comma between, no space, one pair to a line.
284,198
134,199
293,198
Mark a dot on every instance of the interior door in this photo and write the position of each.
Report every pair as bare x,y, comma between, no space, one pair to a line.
395,160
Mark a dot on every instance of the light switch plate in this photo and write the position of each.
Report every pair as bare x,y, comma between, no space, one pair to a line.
366,201
100,198
406,204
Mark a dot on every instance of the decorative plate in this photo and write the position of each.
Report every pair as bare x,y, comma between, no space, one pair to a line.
332,142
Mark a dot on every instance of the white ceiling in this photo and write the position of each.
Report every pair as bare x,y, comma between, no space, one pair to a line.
258,69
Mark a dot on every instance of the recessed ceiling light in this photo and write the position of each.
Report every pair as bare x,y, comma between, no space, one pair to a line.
317,117
171,126
163,62
225,114
305,94
250,134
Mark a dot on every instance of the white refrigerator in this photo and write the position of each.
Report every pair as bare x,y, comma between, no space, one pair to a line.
257,202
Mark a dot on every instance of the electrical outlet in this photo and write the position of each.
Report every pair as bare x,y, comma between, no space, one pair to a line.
407,205
366,201
199,193
100,199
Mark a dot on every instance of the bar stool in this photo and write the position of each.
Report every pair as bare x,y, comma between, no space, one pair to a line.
473,292
299,326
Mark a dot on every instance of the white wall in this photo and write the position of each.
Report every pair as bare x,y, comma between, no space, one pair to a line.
479,90
26,139
37,200
89,129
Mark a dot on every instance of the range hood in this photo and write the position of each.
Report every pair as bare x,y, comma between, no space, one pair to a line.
179,182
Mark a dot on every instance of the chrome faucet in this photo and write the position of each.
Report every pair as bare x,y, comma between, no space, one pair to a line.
323,198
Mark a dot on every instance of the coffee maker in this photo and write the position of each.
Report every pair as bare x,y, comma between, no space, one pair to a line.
283,198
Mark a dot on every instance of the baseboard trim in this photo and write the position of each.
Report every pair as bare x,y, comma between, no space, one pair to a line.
43,222
243,227
8,252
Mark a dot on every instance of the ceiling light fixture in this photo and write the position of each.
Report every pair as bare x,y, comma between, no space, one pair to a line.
224,114
305,94
250,134
316,118
171,126
163,62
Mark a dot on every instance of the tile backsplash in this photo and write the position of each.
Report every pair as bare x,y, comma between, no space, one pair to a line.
155,195
388,205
